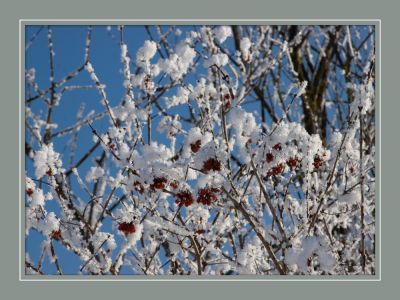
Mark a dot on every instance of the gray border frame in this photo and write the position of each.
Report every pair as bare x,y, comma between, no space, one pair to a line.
27,22
12,11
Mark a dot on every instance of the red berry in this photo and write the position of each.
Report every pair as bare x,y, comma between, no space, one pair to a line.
277,170
270,157
200,231
318,162
158,183
112,146
277,147
29,192
127,228
56,234
184,198
49,172
174,184
211,164
195,147
292,162
207,196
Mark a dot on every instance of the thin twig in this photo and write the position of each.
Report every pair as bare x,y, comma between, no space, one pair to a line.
269,202
280,266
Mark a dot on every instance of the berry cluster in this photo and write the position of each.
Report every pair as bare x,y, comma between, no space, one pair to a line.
174,184
207,196
127,228
158,183
56,234
184,198
29,192
49,172
195,147
318,162
277,170
211,164
293,162
277,147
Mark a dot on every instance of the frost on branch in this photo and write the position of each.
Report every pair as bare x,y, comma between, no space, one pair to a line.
212,150
179,62
146,53
245,45
46,161
222,33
